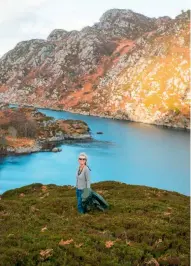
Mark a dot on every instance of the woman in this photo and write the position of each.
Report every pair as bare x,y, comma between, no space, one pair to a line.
82,180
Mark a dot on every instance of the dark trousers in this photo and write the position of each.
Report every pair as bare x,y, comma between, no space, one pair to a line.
79,200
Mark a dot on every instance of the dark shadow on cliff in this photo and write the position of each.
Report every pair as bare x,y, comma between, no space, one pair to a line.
174,119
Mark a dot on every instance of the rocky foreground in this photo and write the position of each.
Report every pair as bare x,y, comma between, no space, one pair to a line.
126,66
25,130
143,226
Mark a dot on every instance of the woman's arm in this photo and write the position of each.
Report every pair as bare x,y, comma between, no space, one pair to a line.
87,177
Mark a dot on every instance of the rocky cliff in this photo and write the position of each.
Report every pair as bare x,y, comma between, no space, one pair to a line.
126,66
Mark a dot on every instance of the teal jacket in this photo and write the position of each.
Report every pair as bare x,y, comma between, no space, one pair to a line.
91,199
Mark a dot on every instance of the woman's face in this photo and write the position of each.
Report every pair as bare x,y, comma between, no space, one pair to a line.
82,161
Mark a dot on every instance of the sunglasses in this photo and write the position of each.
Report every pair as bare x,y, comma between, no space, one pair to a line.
82,159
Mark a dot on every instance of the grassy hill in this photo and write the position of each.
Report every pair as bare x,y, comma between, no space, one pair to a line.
143,226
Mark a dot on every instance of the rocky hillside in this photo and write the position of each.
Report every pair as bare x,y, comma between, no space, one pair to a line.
126,66
25,130
143,226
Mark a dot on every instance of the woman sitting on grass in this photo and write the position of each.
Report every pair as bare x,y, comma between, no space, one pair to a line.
82,180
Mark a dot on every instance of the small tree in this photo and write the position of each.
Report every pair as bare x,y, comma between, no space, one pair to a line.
12,131
22,127
3,145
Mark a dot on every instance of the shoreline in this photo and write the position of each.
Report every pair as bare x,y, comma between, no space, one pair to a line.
39,148
102,116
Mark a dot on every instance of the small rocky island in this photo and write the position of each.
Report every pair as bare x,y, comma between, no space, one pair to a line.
26,130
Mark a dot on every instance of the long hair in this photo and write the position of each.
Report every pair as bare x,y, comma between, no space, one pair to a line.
87,165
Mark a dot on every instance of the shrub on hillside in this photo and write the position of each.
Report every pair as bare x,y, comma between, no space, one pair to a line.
3,145
24,127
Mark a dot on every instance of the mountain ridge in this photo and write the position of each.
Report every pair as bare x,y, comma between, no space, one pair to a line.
72,70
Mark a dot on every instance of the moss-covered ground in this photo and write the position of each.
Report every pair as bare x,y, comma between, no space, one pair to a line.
40,225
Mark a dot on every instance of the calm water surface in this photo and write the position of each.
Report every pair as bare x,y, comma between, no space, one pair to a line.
128,152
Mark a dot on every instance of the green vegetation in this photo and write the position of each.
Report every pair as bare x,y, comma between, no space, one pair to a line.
40,226
94,86
176,110
79,86
46,118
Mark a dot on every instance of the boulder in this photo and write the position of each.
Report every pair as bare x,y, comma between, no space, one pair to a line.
56,149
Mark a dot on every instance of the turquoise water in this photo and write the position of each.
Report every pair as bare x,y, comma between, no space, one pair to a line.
128,152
